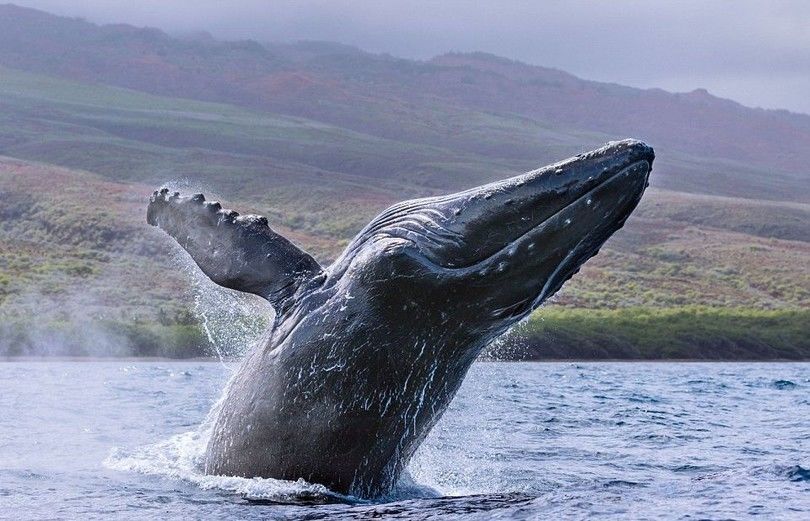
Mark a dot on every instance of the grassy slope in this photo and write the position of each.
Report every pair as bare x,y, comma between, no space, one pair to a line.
687,332
76,239
478,109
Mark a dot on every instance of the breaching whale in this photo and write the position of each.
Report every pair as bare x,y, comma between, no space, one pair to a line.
364,356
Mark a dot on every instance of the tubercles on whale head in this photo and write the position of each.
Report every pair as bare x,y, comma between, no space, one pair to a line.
513,243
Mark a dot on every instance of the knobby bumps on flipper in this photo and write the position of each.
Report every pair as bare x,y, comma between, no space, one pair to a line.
237,252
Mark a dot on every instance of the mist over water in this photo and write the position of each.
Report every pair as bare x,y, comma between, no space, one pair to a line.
36,324
69,314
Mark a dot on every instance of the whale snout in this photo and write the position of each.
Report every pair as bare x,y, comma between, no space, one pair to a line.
509,245
578,204
466,229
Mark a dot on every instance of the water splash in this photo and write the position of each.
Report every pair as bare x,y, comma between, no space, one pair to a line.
182,457
233,322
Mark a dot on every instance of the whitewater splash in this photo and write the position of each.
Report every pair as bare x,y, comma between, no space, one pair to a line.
230,323
182,457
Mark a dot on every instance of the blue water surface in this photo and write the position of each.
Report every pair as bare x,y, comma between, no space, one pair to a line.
123,439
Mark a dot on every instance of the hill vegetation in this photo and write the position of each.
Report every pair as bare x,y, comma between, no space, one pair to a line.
477,104
320,137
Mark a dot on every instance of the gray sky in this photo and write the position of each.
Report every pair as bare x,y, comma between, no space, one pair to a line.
755,52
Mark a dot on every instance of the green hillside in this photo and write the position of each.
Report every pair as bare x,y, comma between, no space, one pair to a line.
81,272
441,123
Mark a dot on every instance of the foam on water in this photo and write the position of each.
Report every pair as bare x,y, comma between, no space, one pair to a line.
181,457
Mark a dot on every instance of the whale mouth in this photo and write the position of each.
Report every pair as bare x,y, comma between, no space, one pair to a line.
634,180
515,279
639,170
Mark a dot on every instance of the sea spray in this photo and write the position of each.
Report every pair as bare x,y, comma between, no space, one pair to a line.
233,322
182,457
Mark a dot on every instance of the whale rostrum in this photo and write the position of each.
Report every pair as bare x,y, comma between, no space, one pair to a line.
365,355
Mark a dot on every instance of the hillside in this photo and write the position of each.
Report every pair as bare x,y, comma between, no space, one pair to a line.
320,137
505,111
77,256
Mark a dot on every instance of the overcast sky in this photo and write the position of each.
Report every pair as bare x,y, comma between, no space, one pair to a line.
755,52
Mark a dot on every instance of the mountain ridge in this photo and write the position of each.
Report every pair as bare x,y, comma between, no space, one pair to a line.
425,102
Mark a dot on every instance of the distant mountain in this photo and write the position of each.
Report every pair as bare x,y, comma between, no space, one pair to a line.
510,113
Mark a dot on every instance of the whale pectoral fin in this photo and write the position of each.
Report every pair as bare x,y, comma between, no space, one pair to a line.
237,252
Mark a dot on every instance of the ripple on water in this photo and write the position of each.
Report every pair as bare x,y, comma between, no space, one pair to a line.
737,452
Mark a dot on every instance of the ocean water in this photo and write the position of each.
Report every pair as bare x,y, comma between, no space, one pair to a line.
123,439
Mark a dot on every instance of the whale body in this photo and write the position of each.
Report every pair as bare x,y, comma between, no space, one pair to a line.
365,355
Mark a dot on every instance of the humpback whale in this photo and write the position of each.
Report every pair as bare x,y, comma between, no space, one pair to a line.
364,356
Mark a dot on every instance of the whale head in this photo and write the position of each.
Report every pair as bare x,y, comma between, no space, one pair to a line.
488,256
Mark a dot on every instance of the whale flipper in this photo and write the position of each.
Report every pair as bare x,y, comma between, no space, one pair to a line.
237,252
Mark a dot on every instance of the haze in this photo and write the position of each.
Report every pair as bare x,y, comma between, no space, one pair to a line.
757,53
